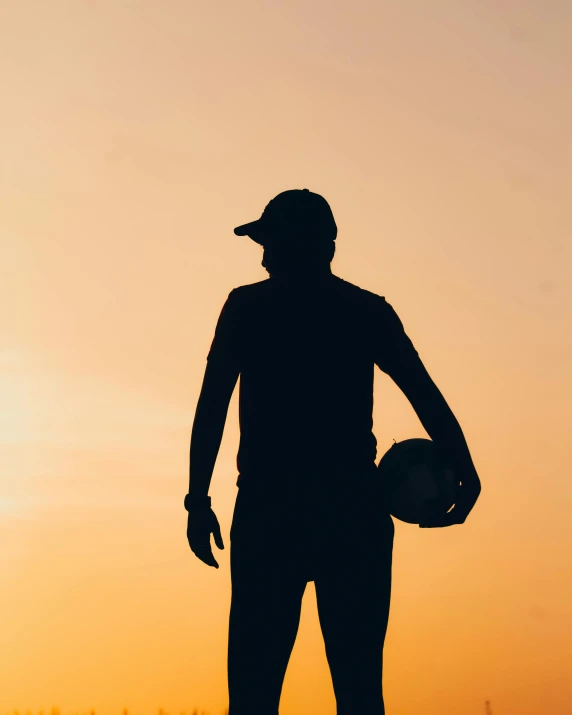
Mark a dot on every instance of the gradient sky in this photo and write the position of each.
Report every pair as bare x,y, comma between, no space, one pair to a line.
135,136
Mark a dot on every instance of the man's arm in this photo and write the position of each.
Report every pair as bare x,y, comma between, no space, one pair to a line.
442,426
398,358
435,414
221,374
208,426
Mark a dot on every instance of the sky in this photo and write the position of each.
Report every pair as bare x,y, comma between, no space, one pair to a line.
136,134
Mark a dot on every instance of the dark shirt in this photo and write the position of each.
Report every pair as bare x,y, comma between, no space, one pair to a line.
306,359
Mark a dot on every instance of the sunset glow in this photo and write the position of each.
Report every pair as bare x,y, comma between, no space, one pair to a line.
137,134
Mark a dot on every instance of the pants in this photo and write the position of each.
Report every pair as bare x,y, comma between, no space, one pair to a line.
280,539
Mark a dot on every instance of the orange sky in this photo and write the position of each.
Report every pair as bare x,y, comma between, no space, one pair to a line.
136,135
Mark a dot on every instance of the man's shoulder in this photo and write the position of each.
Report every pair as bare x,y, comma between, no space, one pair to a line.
250,292
252,288
348,292
360,296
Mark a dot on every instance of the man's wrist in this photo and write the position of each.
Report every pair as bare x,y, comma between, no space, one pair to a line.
197,501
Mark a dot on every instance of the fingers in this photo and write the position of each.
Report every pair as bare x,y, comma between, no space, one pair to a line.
217,535
199,537
455,516
447,520
204,553
466,498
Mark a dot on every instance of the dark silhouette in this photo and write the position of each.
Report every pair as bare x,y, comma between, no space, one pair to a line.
309,505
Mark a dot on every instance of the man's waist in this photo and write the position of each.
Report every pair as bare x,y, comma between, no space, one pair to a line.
306,476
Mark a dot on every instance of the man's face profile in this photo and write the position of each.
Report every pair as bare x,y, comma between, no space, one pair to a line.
282,255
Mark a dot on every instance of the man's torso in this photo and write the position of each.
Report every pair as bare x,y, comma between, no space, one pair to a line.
306,377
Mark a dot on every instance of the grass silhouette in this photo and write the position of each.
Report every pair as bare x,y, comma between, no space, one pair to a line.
125,711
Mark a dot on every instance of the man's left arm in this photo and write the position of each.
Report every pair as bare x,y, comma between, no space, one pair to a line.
398,358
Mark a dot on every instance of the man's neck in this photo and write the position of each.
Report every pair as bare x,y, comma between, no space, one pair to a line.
302,279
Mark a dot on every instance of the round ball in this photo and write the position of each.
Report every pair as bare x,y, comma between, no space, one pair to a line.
416,481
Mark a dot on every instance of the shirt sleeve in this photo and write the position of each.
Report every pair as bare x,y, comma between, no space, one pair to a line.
225,346
393,348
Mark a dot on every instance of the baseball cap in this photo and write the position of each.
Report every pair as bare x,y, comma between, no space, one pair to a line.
297,211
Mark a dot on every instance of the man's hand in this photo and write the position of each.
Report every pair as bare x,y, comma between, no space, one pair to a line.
201,524
467,495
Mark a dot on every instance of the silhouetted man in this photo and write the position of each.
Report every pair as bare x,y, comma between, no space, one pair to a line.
309,505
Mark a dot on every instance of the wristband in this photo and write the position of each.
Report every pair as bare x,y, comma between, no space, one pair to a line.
193,502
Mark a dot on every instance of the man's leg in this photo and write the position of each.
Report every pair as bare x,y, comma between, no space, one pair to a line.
267,589
353,588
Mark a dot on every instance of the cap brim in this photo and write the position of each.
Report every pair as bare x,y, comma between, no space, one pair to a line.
252,230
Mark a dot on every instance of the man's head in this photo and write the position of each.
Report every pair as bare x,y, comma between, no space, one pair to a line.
297,230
